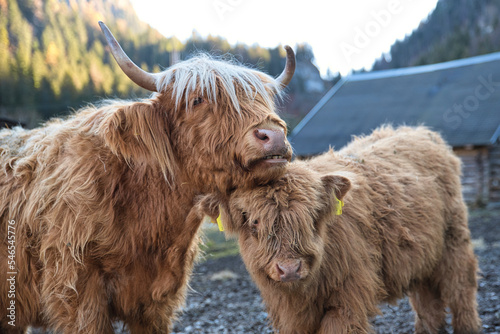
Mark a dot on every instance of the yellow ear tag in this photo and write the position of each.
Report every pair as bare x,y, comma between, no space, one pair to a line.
340,204
219,222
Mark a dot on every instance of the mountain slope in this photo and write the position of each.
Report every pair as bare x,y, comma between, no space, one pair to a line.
52,54
455,29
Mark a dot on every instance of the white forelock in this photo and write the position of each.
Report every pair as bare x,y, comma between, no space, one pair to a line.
201,74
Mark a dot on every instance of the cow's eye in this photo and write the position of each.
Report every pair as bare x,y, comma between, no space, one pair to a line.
198,100
244,217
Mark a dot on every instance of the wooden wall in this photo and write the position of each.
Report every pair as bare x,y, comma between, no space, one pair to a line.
475,174
480,174
494,158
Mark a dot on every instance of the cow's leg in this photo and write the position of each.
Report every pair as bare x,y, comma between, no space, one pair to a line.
93,306
430,312
83,309
157,326
457,275
146,329
156,318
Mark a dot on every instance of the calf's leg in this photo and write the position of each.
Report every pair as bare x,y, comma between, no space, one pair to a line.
429,309
341,322
457,274
459,288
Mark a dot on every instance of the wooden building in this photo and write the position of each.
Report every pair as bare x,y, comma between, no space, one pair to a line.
460,99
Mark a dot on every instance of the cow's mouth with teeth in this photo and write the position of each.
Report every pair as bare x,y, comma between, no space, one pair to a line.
272,150
275,159
270,161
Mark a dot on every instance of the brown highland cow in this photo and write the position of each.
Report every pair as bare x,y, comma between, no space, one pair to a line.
95,209
403,231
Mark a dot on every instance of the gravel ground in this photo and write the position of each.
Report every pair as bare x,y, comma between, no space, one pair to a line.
223,298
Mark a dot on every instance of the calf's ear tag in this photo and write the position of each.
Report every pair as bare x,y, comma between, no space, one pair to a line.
219,222
338,209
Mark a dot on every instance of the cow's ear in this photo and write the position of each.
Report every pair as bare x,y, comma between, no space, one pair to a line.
137,132
336,184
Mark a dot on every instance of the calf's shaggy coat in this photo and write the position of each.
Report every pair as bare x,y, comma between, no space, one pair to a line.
95,208
403,231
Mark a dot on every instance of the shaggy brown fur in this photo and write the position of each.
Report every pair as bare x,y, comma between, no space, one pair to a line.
403,231
101,200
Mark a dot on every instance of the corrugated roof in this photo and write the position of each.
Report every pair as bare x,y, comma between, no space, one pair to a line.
460,99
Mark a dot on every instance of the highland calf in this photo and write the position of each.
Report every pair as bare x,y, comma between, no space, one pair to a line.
403,231
96,211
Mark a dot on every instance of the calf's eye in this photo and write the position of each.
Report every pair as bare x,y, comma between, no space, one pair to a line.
254,226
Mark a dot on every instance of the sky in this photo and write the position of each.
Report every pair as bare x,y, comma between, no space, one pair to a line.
345,35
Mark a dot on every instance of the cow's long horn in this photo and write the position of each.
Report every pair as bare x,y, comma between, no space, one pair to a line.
135,73
287,74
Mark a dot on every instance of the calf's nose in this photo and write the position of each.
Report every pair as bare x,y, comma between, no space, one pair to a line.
272,140
289,271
